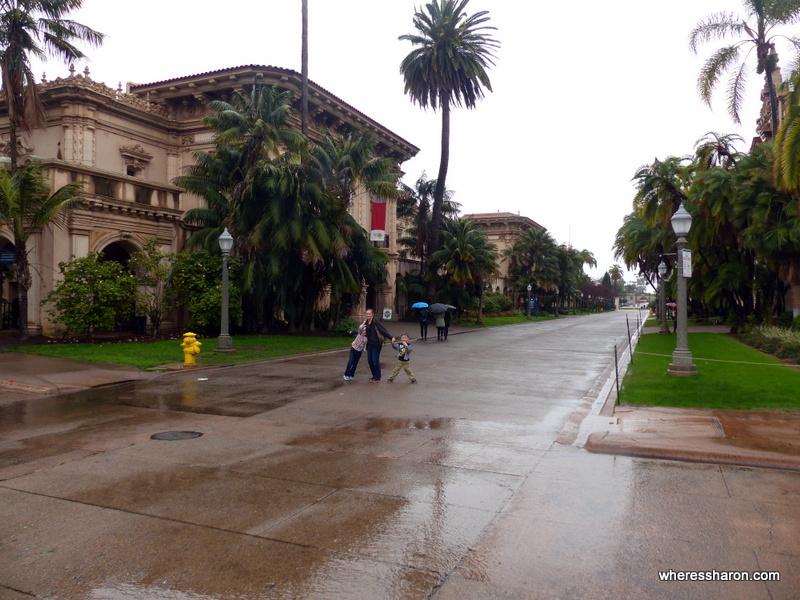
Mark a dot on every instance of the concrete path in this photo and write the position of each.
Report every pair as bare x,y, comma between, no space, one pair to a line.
471,485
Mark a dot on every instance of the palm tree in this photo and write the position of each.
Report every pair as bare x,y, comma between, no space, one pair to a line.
35,28
26,205
755,31
534,261
716,150
415,203
661,187
466,258
304,69
448,66
787,140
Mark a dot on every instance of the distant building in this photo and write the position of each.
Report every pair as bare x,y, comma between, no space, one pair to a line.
128,146
502,229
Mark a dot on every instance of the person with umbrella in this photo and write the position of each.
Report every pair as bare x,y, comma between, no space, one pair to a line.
438,310
375,334
423,315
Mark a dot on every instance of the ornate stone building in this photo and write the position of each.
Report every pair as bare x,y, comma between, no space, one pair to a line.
128,146
502,229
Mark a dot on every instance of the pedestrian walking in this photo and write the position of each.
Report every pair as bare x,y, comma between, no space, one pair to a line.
440,326
356,348
446,323
376,333
403,358
424,315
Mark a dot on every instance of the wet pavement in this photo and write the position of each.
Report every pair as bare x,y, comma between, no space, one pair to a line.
474,484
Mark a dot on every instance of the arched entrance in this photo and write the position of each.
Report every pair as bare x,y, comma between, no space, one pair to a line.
120,252
9,304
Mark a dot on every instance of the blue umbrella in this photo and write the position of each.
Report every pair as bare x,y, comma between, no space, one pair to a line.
419,305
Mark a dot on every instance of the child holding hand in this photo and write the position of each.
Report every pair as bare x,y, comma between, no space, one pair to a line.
403,358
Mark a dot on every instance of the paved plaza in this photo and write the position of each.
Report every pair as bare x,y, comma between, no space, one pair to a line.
475,484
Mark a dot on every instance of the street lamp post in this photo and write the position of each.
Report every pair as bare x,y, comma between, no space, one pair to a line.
682,365
224,341
662,304
528,303
556,301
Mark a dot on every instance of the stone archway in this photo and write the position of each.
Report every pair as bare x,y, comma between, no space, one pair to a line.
9,304
120,251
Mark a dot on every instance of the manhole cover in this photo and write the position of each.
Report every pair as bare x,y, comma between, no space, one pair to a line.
172,436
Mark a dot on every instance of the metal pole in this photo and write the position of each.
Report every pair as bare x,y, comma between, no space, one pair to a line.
662,307
224,341
682,365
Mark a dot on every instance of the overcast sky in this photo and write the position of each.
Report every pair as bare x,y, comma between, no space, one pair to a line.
584,92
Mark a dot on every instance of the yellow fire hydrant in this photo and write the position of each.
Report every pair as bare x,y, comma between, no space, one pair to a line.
191,348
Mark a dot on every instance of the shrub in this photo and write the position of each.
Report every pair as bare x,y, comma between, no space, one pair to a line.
344,326
93,295
783,343
796,323
785,319
493,303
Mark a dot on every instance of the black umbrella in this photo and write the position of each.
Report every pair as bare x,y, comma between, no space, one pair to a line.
439,308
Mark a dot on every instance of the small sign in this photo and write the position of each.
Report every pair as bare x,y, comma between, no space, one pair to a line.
7,256
387,313
686,268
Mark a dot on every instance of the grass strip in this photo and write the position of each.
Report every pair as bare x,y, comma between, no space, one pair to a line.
146,355
730,375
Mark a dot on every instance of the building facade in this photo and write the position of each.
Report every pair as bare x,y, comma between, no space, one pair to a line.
129,146
502,229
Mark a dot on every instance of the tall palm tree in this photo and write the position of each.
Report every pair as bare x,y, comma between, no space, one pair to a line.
304,70
35,28
26,205
448,66
756,32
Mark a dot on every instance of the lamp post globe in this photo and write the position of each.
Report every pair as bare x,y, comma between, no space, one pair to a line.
682,365
224,341
662,305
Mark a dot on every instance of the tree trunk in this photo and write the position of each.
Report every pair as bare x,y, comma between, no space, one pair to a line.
304,74
12,144
480,305
438,195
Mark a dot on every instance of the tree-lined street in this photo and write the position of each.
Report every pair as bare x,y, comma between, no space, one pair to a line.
303,486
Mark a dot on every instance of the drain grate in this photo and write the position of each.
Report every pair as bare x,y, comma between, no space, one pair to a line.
172,436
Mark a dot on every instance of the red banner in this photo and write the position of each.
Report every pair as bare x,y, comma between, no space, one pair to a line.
378,230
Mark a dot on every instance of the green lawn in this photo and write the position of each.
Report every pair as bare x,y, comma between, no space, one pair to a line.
145,355
495,321
729,375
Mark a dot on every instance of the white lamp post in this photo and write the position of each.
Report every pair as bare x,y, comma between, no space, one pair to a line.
556,301
528,303
682,365
224,341
662,305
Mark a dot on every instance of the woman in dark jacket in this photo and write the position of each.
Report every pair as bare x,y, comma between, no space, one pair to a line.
375,334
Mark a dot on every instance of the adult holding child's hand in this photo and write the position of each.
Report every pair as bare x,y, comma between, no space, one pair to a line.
376,333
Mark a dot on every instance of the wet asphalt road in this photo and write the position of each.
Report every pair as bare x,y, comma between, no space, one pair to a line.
303,486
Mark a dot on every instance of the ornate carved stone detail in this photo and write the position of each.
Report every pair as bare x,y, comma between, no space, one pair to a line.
135,157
